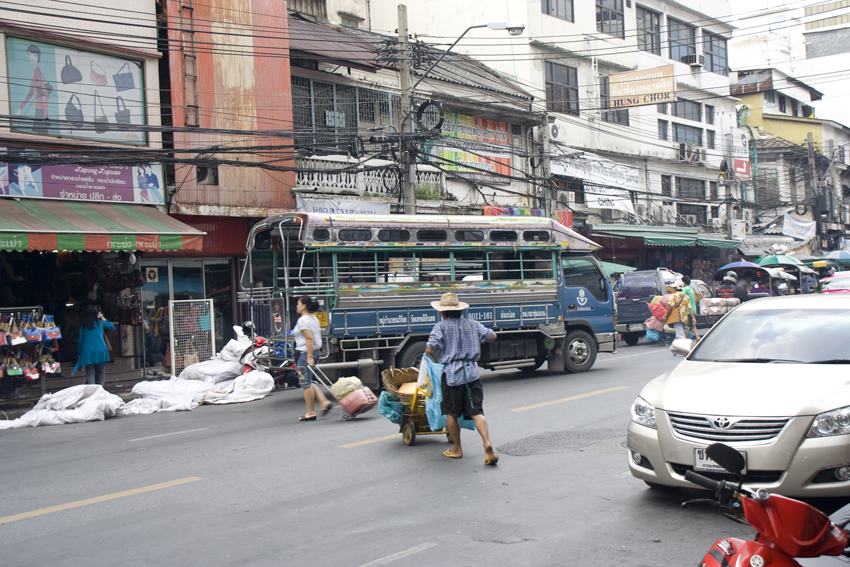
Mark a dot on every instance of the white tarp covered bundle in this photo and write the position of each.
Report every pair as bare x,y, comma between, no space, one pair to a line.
71,405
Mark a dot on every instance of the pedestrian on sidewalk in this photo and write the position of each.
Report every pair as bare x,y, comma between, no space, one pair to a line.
308,348
458,340
91,346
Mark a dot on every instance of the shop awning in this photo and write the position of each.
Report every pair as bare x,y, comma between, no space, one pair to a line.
663,235
41,224
614,268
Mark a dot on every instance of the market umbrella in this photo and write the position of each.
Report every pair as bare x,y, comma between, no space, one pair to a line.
780,260
839,256
740,268
612,268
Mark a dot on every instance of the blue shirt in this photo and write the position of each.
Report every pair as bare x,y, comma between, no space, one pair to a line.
91,346
459,343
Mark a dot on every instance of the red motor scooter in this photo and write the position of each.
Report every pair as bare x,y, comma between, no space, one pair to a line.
787,529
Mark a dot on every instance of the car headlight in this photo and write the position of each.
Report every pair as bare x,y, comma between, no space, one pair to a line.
643,413
827,424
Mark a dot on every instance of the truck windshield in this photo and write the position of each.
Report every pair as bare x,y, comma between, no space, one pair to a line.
639,284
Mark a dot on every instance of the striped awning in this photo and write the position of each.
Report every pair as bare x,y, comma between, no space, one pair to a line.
43,224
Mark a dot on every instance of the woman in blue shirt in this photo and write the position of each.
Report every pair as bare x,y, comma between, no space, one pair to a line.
91,345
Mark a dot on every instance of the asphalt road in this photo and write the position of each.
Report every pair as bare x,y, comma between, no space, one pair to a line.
248,484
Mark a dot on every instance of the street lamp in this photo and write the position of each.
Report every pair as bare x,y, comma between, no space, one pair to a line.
513,29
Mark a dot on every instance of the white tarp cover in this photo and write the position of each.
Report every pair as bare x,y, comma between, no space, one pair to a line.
212,371
71,405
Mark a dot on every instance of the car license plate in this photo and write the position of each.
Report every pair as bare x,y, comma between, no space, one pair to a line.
703,463
637,327
322,316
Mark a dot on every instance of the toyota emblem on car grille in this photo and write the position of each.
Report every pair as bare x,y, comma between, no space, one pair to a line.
721,423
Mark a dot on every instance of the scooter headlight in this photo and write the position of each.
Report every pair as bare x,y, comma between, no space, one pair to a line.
643,413
830,423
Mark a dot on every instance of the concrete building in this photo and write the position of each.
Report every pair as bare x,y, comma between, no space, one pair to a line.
659,164
808,42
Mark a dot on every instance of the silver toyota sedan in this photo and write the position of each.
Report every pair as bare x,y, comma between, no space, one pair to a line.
772,380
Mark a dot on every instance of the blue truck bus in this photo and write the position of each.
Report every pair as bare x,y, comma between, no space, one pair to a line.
531,279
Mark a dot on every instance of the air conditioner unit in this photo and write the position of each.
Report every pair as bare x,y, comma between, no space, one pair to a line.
694,60
557,133
691,153
640,210
563,199
717,223
692,219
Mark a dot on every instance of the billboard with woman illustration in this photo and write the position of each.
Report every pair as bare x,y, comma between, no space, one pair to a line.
59,91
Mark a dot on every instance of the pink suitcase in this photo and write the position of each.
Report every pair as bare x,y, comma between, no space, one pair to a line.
357,402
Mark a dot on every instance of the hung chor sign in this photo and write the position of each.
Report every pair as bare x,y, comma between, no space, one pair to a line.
643,87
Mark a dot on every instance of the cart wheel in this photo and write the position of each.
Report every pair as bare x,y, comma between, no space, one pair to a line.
346,417
408,433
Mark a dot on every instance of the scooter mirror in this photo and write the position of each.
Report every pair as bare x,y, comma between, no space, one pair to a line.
726,457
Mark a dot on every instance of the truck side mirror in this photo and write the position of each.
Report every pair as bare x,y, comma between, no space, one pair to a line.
602,284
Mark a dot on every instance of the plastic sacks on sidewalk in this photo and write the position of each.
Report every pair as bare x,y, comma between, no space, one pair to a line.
436,419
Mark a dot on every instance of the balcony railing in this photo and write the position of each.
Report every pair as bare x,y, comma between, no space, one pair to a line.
323,175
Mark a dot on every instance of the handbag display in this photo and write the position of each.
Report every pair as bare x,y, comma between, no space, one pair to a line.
70,74
101,124
74,112
50,331
124,81
31,332
16,336
98,79
122,117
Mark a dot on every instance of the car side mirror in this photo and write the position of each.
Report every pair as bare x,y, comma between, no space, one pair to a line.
682,347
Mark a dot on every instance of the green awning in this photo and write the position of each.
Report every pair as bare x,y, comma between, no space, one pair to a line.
614,268
663,235
47,225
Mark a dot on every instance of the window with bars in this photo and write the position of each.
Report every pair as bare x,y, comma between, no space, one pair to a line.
770,97
714,49
715,212
649,30
709,139
687,109
610,18
663,128
695,211
328,108
687,188
561,89
620,116
666,186
687,134
712,191
781,104
562,9
709,114
682,39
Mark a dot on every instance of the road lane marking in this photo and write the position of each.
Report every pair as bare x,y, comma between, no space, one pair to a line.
615,357
399,555
367,441
97,499
169,434
571,398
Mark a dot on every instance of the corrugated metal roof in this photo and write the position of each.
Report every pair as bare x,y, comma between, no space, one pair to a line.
454,68
333,44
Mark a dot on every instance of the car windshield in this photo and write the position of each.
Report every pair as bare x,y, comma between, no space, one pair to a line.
778,335
840,283
639,284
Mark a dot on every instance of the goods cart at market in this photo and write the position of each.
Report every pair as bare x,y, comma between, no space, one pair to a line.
401,383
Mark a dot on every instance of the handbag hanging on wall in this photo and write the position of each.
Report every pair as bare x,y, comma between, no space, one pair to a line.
122,117
98,79
101,123
74,112
124,81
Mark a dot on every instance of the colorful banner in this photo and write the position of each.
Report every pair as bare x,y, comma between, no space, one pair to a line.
98,97
116,184
473,148
490,211
22,241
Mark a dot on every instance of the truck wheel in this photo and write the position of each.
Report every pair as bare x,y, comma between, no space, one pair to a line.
411,356
631,338
579,351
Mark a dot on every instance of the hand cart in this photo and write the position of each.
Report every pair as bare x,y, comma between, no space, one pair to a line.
402,384
368,400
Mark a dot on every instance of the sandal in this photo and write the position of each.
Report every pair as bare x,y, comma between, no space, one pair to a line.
325,411
305,418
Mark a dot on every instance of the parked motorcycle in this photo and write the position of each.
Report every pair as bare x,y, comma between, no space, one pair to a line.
256,357
787,529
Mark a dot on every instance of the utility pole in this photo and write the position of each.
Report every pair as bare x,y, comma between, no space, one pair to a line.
548,192
812,190
406,87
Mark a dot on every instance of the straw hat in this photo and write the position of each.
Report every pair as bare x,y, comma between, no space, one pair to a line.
449,302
